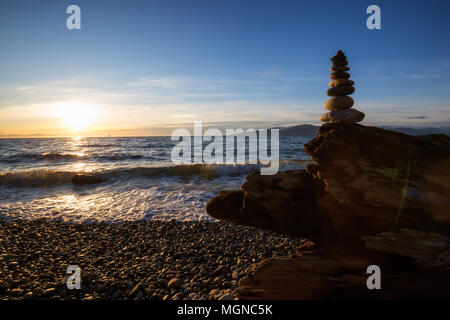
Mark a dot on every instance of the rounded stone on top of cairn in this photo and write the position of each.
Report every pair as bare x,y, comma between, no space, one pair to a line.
340,87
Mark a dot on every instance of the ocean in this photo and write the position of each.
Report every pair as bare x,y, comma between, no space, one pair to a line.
139,179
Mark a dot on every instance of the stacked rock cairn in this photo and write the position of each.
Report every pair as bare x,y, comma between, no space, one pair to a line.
340,87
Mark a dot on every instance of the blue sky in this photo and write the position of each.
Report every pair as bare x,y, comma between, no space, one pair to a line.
143,67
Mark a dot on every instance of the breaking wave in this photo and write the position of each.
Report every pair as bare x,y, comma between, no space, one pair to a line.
48,178
68,157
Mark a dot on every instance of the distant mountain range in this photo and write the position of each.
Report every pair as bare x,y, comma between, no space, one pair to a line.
300,130
311,130
419,131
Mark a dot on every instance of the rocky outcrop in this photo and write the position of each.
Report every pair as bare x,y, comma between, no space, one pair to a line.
270,202
373,196
384,180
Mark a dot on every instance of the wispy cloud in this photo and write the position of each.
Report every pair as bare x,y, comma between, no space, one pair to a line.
160,82
284,76
66,89
417,117
420,76
217,94
268,73
244,86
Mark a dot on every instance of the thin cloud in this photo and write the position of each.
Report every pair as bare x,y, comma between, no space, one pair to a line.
269,73
156,82
282,76
417,117
420,76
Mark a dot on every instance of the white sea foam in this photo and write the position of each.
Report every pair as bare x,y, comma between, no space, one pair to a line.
133,188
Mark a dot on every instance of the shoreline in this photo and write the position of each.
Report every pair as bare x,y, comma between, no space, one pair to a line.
132,260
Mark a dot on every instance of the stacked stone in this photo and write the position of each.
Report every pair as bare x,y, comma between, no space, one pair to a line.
340,87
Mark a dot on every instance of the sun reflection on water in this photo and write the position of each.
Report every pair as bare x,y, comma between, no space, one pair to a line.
80,167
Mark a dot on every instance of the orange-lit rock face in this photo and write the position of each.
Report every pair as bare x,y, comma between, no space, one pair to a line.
366,180
372,196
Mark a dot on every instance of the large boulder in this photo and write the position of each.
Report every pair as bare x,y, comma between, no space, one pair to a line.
270,202
373,196
383,180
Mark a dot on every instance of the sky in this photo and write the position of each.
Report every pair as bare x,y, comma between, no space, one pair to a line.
148,67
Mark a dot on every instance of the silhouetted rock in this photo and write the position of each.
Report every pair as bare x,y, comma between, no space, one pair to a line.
339,75
339,103
340,87
340,83
81,179
269,202
340,91
373,197
339,57
335,69
348,116
339,63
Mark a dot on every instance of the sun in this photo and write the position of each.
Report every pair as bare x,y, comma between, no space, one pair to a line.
75,115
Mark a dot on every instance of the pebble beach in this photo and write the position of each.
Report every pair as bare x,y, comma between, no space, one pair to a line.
140,260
